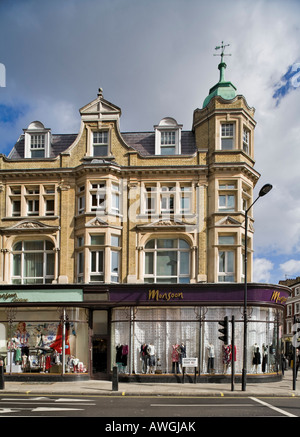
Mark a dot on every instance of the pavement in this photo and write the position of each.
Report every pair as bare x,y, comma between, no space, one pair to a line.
283,388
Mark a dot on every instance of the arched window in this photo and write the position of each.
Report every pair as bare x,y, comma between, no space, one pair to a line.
33,262
167,261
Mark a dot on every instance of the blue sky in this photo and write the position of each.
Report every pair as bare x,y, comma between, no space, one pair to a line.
154,58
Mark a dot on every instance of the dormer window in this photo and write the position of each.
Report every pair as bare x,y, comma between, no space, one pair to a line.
37,141
100,143
168,143
37,146
168,137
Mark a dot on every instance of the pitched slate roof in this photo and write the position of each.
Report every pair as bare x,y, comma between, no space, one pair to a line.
142,142
59,143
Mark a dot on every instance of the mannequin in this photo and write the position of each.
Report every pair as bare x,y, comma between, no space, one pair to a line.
256,357
152,352
182,354
226,357
210,358
175,358
119,356
265,357
145,357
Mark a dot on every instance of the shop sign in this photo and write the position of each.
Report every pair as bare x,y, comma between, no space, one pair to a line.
278,298
11,297
45,295
189,362
157,295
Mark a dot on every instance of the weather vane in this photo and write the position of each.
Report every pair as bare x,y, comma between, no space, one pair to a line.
222,47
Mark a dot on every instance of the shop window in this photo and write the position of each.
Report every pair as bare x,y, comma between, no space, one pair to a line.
34,342
33,262
167,261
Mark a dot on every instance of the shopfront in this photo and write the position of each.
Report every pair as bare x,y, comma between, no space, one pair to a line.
41,334
143,330
183,321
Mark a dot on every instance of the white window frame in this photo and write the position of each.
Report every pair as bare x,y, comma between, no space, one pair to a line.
154,277
98,192
21,254
168,135
226,275
37,138
246,140
100,140
167,199
227,136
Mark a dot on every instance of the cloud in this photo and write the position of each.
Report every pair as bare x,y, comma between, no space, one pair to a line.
290,268
262,268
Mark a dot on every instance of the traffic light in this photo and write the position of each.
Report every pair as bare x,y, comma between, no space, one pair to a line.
224,330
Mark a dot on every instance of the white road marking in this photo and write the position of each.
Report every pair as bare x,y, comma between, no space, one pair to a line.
279,410
54,409
201,405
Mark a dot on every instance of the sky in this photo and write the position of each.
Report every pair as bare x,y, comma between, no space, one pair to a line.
155,58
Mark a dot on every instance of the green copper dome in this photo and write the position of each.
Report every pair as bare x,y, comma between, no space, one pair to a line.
223,88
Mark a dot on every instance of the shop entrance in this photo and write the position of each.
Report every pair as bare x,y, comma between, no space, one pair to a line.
99,358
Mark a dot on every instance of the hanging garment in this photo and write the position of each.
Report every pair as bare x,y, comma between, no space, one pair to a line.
57,344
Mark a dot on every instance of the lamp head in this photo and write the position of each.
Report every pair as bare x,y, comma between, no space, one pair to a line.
265,189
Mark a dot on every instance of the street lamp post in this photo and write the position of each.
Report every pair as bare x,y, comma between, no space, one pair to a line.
263,191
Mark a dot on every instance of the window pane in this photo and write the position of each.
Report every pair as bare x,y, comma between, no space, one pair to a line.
17,265
230,259
227,143
166,243
115,240
226,239
33,265
97,240
150,244
33,245
222,262
168,150
166,263
100,150
50,264
149,263
184,263
183,244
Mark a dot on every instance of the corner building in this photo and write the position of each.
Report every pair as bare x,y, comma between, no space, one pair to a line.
111,241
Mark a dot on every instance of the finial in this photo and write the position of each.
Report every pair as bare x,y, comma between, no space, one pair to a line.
222,64
100,92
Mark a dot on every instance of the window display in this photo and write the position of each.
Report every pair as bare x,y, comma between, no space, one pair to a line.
39,341
175,333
